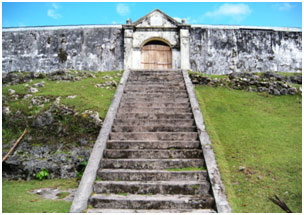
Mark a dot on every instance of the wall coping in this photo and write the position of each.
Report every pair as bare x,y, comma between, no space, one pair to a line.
62,27
224,27
244,27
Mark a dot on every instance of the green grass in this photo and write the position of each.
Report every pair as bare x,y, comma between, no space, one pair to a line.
62,195
187,169
122,194
208,75
88,97
261,133
17,196
289,73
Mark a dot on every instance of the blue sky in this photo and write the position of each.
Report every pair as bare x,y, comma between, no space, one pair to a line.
19,14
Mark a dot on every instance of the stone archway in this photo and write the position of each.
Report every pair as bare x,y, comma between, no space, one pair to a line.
156,54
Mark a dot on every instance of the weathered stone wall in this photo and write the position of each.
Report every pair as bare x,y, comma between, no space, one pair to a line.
47,49
222,51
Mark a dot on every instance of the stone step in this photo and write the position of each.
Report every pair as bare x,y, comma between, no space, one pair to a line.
154,136
150,163
177,128
154,105
144,87
157,79
151,122
126,144
150,175
153,154
155,95
165,91
134,201
154,116
147,72
199,211
156,76
153,187
155,100
163,83
155,73
134,109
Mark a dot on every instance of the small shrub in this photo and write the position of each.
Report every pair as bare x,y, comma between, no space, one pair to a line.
43,174
62,55
81,168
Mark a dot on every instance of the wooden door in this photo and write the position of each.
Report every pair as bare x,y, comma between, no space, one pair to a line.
156,55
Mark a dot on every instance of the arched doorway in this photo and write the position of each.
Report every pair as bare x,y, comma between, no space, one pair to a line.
156,54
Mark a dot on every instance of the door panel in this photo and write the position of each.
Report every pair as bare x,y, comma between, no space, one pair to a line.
156,56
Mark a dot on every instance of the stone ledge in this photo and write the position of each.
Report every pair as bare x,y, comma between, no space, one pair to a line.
218,189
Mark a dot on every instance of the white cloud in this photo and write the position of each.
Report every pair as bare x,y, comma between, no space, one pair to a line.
53,11
55,6
235,11
177,19
122,9
53,14
284,6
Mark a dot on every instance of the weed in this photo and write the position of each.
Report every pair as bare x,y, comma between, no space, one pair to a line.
122,194
81,168
62,195
43,174
195,187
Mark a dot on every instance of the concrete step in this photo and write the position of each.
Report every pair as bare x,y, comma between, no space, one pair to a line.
153,154
199,211
153,187
154,116
154,105
133,201
177,128
155,100
135,144
151,122
185,136
150,163
134,109
150,175
155,95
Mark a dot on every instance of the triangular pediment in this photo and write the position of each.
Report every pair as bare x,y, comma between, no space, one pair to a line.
156,18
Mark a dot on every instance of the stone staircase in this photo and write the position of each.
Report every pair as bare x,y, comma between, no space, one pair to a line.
153,137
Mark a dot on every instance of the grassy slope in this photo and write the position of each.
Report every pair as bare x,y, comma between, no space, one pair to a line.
88,97
17,196
262,134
